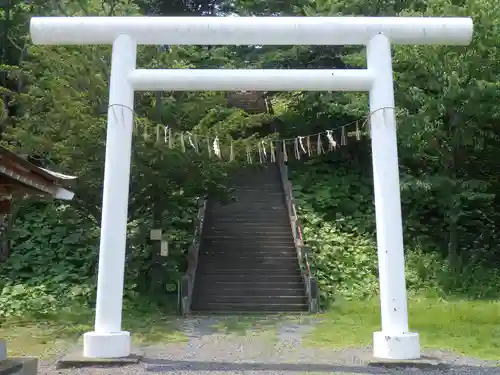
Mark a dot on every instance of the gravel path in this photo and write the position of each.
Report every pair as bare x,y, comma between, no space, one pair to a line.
270,349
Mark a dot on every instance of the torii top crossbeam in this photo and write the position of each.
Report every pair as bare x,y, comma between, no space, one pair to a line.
250,30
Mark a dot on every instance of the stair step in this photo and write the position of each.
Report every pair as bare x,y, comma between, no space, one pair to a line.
255,190
232,247
261,199
251,284
270,203
249,220
247,261
251,227
228,267
249,248
248,223
243,194
249,251
248,307
249,291
273,202
249,210
249,258
256,231
255,183
249,240
247,215
297,284
209,269
234,232
249,278
258,236
282,300
245,257
268,206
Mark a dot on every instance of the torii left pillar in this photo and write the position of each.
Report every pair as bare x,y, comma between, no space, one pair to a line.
108,340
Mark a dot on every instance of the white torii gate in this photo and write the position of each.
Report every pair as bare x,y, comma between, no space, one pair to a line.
394,341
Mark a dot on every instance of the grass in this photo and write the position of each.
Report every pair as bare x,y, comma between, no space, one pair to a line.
43,337
470,328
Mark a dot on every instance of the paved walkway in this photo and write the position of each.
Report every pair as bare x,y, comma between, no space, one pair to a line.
219,346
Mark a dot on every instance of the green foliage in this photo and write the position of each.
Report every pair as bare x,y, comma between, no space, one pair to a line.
335,208
53,107
53,263
335,203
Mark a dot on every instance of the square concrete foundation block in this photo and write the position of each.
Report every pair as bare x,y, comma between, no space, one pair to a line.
75,358
19,366
3,350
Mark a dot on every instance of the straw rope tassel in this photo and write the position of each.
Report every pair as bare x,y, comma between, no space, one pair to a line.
308,143
296,148
231,151
301,144
264,151
165,134
183,145
170,140
319,145
332,145
249,153
343,137
285,155
190,141
358,132
196,143
273,153
216,146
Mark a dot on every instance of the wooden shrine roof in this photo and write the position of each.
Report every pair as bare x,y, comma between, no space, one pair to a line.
18,176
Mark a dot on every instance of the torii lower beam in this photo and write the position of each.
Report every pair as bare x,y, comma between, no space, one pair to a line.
394,341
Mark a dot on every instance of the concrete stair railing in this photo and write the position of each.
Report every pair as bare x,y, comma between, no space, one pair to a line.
310,281
185,287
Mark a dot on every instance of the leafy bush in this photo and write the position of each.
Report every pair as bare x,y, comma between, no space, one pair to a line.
335,204
55,252
52,263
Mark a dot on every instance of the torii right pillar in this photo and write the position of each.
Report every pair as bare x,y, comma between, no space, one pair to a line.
393,341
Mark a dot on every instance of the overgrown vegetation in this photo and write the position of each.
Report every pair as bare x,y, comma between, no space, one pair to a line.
54,107
463,327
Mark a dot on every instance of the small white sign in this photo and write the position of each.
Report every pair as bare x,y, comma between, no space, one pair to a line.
164,249
155,234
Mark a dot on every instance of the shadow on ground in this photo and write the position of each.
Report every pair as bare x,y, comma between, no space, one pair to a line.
159,365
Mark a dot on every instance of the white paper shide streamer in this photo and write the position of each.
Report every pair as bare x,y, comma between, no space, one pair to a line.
262,150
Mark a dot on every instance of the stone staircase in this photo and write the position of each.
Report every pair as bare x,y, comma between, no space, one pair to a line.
247,258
